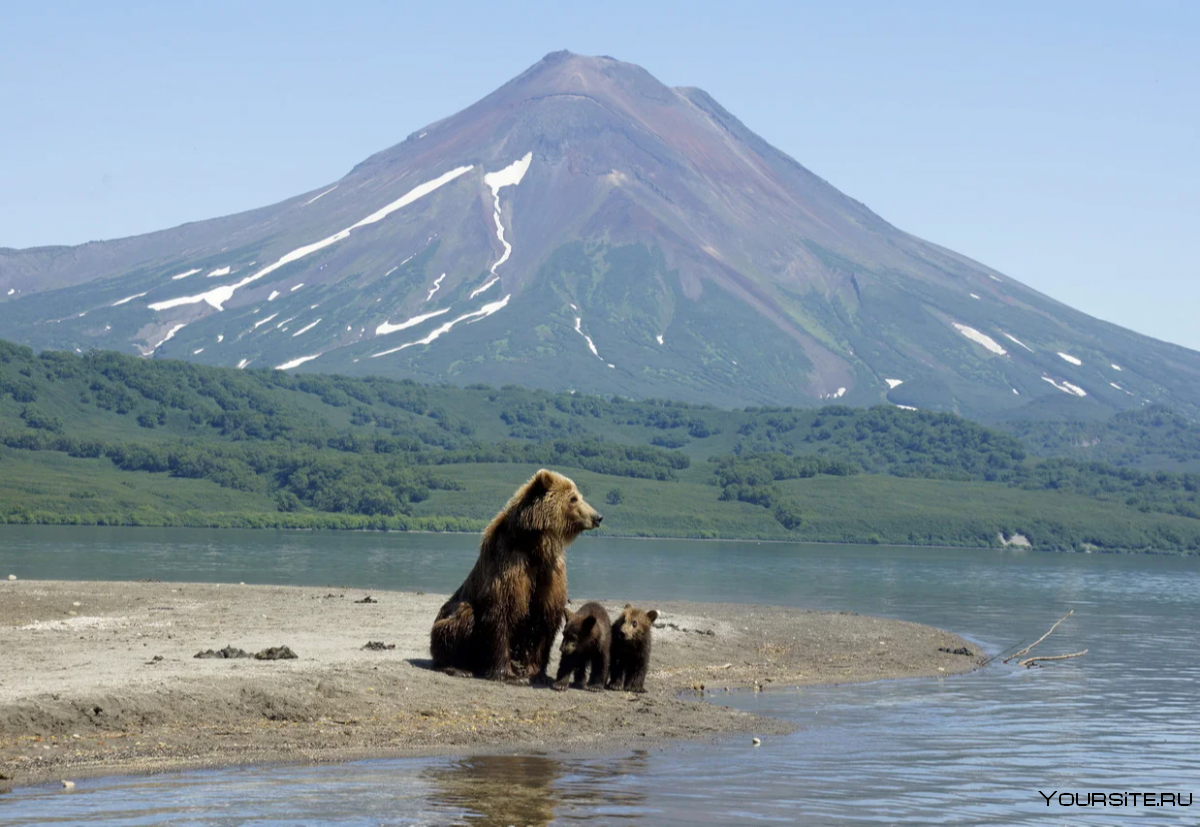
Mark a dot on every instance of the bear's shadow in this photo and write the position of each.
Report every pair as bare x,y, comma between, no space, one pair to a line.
427,665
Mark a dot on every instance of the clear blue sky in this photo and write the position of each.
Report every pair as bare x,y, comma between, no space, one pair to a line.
1058,142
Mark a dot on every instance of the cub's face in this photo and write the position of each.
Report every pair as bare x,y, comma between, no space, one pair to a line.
635,624
577,634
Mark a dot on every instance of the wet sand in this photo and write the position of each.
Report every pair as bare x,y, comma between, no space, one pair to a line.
99,678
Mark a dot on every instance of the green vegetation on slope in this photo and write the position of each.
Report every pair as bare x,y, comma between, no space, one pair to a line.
1153,438
109,439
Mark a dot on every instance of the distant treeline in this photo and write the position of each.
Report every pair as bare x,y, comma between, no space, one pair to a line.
336,451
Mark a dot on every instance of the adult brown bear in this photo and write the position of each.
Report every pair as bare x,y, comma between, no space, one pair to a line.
501,622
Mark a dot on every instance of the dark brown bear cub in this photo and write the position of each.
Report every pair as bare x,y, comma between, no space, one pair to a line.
631,649
586,642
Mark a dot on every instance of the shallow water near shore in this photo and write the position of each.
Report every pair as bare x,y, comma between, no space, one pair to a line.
969,750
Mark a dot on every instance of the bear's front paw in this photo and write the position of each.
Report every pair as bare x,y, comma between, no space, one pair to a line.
594,687
559,686
505,676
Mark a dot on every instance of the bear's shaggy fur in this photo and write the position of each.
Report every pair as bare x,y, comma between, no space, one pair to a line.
502,620
631,649
587,638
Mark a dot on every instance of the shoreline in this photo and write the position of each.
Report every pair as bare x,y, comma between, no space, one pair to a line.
100,678
643,537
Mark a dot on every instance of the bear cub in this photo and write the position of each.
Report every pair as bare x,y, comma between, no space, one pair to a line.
631,649
586,642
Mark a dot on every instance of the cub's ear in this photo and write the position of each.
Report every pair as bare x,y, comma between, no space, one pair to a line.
589,623
652,614
628,605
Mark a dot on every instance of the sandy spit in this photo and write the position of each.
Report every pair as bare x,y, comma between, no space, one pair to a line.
99,678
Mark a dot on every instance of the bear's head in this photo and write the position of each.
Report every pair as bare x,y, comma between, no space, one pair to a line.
634,624
550,502
581,629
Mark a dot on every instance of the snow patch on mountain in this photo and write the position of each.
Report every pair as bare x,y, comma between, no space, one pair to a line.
436,284
386,328
511,175
218,296
1017,341
185,275
306,328
487,283
170,335
1069,358
478,315
296,362
125,300
591,345
980,338
221,271
322,195
1066,387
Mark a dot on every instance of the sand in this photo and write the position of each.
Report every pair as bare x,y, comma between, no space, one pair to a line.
99,678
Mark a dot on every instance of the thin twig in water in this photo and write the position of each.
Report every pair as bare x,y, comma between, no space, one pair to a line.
1039,640
1001,654
1031,661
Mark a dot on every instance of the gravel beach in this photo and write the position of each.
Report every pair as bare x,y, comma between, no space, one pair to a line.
100,678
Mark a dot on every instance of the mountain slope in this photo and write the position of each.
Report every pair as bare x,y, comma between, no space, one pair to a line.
586,227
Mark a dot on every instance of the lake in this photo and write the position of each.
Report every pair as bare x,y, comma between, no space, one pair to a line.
974,749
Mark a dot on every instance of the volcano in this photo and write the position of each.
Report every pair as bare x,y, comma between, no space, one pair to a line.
585,227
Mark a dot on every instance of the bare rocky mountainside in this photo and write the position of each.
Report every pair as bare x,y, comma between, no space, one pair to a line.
586,227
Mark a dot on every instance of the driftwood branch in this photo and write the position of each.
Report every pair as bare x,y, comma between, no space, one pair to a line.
1032,661
1039,640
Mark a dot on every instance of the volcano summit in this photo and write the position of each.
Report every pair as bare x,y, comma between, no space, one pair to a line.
586,227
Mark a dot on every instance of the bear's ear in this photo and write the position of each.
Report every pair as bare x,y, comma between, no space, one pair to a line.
628,606
538,485
530,515
589,623
652,614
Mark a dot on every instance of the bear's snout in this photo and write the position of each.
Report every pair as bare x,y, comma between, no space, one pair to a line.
596,520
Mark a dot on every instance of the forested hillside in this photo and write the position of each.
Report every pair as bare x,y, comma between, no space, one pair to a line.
103,438
1153,438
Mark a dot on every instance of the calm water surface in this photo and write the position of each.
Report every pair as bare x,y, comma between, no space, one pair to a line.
967,750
